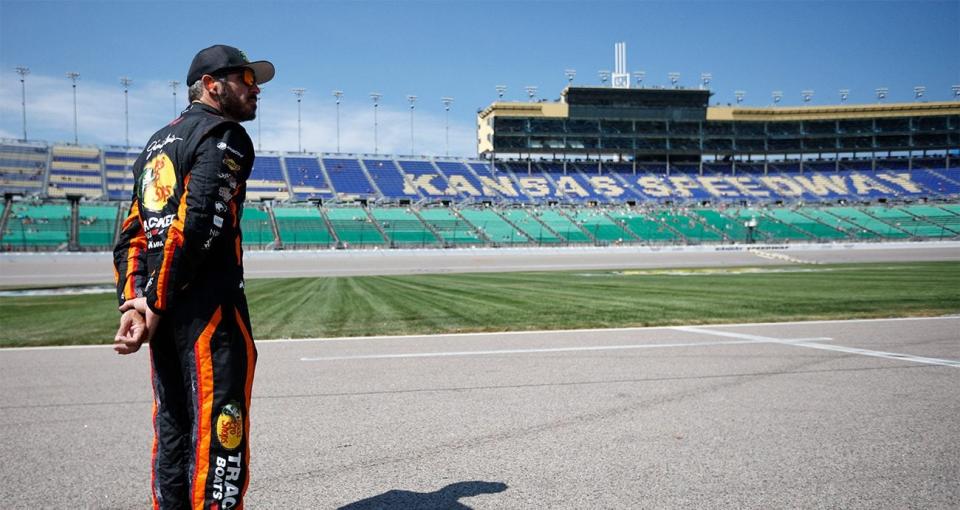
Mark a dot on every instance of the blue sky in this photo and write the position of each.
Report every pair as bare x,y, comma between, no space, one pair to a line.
454,48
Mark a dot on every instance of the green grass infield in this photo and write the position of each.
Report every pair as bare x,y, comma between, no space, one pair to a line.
456,303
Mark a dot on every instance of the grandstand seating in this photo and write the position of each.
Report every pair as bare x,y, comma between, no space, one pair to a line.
537,231
302,227
97,225
867,222
118,173
496,228
648,230
255,226
453,229
348,179
389,180
38,226
601,226
266,180
354,228
23,168
75,170
693,228
565,227
307,178
403,228
912,224
424,177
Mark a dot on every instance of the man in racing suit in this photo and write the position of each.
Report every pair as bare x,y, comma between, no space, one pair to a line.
178,267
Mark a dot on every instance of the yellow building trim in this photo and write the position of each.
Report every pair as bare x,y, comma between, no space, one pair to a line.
846,112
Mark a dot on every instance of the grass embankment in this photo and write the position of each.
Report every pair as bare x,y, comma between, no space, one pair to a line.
387,305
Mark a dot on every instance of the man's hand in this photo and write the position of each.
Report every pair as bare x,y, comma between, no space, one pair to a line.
131,334
140,305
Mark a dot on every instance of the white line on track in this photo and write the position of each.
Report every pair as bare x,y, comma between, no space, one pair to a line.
826,347
546,350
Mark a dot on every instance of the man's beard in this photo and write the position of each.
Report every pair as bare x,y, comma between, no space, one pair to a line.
233,107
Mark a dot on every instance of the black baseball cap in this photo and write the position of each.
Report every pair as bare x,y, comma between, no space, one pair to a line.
219,58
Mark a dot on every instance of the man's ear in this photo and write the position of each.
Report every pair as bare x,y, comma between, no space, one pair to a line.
212,85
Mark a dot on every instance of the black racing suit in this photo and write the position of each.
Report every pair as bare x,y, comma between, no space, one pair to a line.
180,247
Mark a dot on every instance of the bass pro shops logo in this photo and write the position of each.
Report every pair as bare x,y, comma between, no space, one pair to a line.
157,183
230,426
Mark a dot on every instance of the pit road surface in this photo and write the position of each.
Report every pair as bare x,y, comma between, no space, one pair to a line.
843,414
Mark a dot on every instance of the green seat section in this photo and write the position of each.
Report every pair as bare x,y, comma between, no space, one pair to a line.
524,220
495,227
691,226
601,226
96,225
302,227
795,219
38,226
850,229
403,228
452,228
916,224
862,219
734,230
767,225
647,229
255,225
563,226
941,215
354,227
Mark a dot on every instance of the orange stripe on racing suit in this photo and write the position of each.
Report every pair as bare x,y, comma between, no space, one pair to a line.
204,409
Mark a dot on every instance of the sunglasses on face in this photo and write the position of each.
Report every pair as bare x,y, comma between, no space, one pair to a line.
246,76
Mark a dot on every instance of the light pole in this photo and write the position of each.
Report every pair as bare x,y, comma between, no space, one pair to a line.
604,76
23,71
807,95
447,101
125,81
640,76
674,78
918,92
882,93
739,94
376,102
338,94
705,79
412,99
299,93
173,85
500,91
777,96
531,91
956,91
73,77
570,73
844,95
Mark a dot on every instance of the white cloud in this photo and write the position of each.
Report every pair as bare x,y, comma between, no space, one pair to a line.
100,118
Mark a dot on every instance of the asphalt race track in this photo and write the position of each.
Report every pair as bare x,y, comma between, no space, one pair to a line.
846,414
839,414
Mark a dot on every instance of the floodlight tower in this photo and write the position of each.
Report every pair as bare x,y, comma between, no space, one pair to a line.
23,71
531,91
807,95
376,102
918,92
501,89
882,93
777,96
956,91
844,95
126,81
339,95
674,78
604,76
739,94
570,73
705,79
299,93
173,85
640,75
72,75
447,101
412,99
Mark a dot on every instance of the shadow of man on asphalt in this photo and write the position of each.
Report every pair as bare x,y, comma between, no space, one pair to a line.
443,499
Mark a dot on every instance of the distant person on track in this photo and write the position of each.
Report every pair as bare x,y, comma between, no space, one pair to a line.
179,273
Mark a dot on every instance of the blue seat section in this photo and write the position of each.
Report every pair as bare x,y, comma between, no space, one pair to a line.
266,179
118,173
612,182
389,179
75,170
465,182
22,168
348,179
426,180
499,183
307,179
